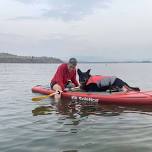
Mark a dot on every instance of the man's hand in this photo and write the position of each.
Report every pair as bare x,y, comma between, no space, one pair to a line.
72,89
58,95
70,85
66,89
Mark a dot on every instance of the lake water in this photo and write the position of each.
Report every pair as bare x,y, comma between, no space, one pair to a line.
26,126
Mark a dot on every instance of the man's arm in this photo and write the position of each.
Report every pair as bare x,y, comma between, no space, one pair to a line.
59,76
73,79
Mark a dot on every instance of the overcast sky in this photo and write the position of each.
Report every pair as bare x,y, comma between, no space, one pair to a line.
97,29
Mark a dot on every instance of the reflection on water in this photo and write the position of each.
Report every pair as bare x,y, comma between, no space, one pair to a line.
42,110
74,111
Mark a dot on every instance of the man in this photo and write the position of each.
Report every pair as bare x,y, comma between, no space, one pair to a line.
64,77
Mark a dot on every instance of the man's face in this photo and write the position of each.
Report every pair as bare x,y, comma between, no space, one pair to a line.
71,67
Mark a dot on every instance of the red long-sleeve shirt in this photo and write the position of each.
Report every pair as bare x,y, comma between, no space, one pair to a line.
62,76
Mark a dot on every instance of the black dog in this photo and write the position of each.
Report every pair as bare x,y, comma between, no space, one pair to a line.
102,83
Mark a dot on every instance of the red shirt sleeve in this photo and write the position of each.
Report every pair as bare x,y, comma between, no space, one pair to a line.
58,77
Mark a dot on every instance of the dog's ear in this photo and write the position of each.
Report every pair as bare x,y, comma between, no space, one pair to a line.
88,72
79,72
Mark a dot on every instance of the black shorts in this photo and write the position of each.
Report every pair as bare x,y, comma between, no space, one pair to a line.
52,84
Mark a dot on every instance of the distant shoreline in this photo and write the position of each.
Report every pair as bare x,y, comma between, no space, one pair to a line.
119,62
10,58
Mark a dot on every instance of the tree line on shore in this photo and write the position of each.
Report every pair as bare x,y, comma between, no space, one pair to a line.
11,58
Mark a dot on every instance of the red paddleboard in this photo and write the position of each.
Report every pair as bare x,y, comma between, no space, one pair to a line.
114,98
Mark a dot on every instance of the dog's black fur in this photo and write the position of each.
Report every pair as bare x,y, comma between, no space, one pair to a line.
84,76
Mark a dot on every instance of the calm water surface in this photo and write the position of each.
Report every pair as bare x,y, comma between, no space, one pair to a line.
26,126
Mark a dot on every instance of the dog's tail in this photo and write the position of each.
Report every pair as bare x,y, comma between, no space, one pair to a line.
135,88
132,88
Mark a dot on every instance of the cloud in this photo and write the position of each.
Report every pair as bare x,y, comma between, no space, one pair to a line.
66,10
12,42
63,44
26,1
55,44
23,18
8,40
10,36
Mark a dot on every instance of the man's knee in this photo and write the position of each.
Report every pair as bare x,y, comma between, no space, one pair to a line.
56,87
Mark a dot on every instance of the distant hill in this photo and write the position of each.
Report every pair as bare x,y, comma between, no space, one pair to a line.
99,59
11,58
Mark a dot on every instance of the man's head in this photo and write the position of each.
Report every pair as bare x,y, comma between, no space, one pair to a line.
72,63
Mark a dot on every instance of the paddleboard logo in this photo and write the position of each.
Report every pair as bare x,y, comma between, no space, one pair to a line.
85,100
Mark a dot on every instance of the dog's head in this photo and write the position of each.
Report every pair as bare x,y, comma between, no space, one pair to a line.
83,76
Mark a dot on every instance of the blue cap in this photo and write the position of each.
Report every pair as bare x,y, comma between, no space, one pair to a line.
73,61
